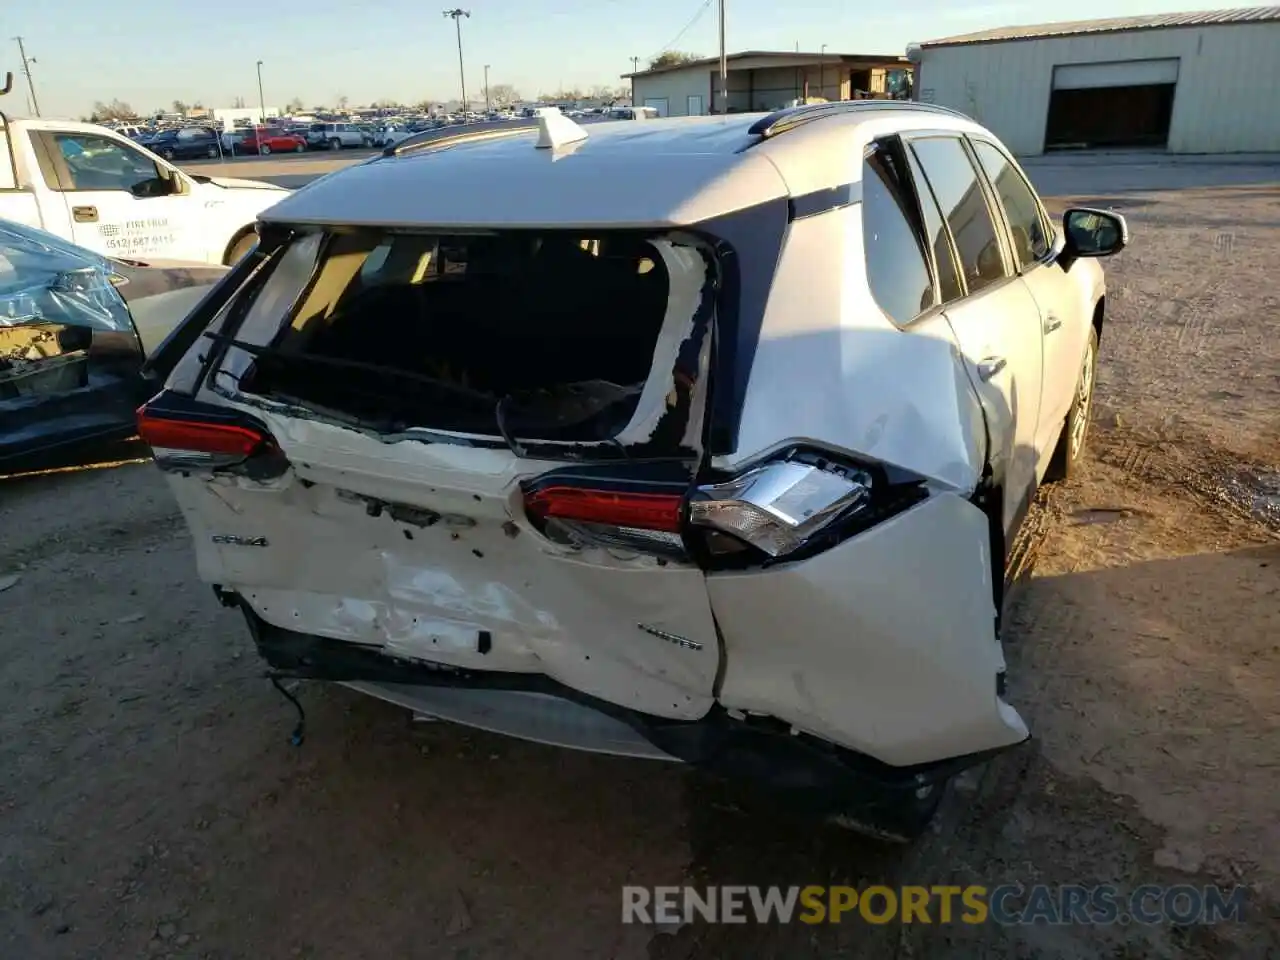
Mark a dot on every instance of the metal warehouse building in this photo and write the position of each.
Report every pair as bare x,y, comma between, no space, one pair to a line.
1187,82
764,80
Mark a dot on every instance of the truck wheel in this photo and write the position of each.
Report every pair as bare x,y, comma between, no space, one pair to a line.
240,249
265,150
335,144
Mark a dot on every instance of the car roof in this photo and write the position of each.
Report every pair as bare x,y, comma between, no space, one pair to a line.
677,171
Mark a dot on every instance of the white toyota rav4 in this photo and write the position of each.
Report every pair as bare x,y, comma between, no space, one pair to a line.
719,468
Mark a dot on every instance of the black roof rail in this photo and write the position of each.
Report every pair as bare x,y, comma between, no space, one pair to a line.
479,130
459,133
780,121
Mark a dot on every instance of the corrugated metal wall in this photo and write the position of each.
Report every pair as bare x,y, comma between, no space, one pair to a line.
675,86
1227,99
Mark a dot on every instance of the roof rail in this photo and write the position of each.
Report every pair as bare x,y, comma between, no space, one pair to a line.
780,121
460,133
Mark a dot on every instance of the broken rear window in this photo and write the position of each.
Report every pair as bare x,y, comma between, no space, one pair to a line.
541,335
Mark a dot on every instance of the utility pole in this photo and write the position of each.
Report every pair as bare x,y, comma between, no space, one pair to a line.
635,68
486,88
456,15
26,69
822,73
724,67
262,102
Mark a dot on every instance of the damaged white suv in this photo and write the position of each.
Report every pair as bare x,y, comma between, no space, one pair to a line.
720,467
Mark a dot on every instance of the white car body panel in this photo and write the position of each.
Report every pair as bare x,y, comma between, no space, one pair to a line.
884,643
852,358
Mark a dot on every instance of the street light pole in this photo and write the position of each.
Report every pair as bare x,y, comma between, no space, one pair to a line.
486,88
635,68
26,69
724,67
822,73
456,15
262,102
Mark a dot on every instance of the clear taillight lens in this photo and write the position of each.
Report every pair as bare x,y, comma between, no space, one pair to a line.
777,508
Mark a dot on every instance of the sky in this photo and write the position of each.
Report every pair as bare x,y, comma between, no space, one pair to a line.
151,52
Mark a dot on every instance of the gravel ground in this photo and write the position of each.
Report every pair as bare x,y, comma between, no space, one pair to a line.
152,806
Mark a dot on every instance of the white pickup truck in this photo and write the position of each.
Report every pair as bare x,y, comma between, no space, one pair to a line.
98,189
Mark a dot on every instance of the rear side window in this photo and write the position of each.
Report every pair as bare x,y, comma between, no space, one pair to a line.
961,199
1026,223
897,270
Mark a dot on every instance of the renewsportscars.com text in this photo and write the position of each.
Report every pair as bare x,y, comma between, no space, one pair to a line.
1009,904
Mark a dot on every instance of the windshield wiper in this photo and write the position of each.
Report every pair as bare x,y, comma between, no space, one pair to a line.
275,354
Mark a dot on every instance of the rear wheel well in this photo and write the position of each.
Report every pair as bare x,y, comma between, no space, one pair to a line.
235,241
1099,310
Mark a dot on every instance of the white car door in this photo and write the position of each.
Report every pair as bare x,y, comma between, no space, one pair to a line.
119,198
1059,296
996,323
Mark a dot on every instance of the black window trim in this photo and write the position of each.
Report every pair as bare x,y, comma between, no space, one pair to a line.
997,215
952,249
1046,223
895,146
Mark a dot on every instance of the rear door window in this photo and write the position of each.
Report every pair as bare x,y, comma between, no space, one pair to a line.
939,237
963,203
897,268
1022,209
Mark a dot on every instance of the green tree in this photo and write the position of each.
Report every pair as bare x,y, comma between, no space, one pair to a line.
672,58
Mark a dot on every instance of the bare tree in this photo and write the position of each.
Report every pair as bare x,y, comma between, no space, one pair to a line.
503,94
342,102
179,106
672,58
115,110
238,103
295,105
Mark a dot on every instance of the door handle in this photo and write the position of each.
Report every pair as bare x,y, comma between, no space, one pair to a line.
989,367
84,214
1052,322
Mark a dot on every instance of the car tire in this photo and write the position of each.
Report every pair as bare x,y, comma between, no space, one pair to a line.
212,153
265,150
335,144
1069,453
240,249
167,154
300,148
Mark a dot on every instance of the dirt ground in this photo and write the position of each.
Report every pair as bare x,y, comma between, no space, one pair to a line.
151,804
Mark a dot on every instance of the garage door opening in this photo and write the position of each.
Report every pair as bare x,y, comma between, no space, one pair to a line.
1110,105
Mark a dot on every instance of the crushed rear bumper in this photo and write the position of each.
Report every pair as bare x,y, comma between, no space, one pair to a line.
817,774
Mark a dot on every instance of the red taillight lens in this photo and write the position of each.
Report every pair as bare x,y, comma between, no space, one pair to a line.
643,511
215,439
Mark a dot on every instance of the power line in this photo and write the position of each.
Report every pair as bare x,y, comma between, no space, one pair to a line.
706,5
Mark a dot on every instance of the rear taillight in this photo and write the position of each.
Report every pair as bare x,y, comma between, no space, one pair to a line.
644,511
787,509
185,441
611,514
777,508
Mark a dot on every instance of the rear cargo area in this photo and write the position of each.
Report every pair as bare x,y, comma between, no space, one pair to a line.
548,335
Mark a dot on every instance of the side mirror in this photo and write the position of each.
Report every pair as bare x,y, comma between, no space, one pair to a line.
1093,233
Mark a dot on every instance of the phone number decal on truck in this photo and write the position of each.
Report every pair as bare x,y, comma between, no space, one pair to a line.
137,235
